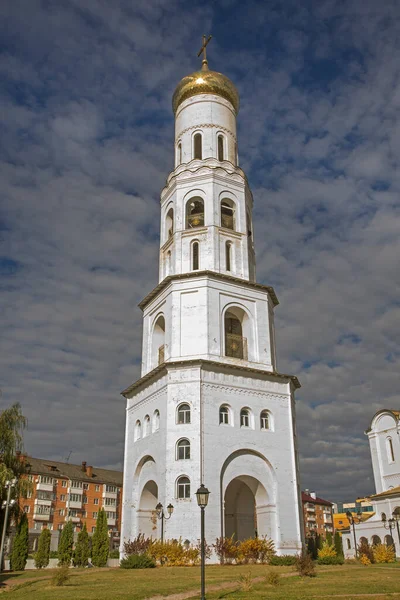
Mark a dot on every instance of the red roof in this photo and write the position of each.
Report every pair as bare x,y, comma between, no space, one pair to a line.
307,498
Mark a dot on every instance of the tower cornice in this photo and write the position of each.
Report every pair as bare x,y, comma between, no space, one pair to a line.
213,275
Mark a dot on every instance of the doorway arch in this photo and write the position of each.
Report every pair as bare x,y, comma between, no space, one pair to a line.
243,496
146,512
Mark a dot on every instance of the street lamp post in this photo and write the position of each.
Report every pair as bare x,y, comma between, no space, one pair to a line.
396,517
161,515
389,524
352,521
202,500
6,504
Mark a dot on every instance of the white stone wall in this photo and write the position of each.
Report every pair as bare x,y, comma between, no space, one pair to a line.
384,427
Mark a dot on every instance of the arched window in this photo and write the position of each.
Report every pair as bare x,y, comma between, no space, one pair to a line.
183,414
245,417
348,544
235,343
383,516
158,342
265,422
220,147
195,256
179,154
195,213
169,224
375,540
138,430
390,450
197,146
183,450
156,420
183,488
228,214
224,415
228,252
146,426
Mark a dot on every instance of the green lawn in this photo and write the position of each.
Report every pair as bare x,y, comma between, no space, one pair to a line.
347,582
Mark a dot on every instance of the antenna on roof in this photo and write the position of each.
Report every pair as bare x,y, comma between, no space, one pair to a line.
68,457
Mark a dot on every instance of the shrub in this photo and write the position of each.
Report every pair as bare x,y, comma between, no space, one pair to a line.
226,549
137,561
364,549
81,553
245,582
364,560
331,560
305,565
42,555
286,560
19,553
61,576
327,551
114,554
53,554
174,553
337,540
65,546
383,553
138,545
273,578
100,541
255,550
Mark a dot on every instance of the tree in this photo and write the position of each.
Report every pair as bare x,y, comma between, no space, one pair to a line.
65,546
42,555
19,553
329,539
81,554
100,542
338,544
312,547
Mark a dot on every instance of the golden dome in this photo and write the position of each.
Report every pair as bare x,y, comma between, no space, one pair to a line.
205,82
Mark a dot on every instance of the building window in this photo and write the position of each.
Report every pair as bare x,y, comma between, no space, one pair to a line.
84,499
93,529
224,415
390,450
110,502
265,420
228,251
74,497
228,214
96,488
197,146
62,497
146,426
85,486
29,494
95,501
183,450
95,515
156,420
61,512
183,414
194,212
179,153
220,147
64,483
245,417
46,479
157,343
111,488
183,488
235,343
138,430
348,544
27,509
195,256
169,224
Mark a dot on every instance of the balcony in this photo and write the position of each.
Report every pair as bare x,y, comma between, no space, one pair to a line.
327,518
112,522
75,490
310,509
74,504
235,346
45,487
41,517
74,519
42,502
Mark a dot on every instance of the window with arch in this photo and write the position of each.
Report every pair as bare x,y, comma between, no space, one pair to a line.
183,414
158,340
224,415
183,488
179,153
146,426
390,450
235,342
195,212
265,420
348,544
156,420
375,540
383,516
228,256
245,417
183,450
228,211
197,146
221,156
138,430
169,224
195,255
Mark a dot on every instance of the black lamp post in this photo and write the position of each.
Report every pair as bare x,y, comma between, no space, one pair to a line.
202,500
389,524
9,485
352,520
161,515
396,517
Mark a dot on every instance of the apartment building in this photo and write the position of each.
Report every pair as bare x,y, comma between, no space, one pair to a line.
318,514
362,509
62,492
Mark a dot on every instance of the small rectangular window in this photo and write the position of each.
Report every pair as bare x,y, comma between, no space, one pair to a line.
220,148
198,151
95,501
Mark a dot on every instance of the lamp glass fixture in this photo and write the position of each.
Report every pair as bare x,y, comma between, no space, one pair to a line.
202,496
170,509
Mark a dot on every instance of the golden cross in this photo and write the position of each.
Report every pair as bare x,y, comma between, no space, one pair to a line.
203,48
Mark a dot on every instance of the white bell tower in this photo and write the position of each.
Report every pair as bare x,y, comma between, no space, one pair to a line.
210,406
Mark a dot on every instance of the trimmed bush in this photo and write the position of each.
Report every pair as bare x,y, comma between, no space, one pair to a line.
330,560
327,551
42,555
19,553
364,560
286,560
137,561
255,550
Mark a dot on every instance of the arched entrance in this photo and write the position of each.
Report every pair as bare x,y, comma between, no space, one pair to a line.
147,524
245,498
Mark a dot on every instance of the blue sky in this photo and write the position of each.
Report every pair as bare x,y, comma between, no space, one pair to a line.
86,145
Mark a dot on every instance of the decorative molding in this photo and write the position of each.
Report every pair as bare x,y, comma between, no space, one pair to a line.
206,125
236,390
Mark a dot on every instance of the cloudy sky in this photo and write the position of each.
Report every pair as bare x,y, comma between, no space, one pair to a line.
86,144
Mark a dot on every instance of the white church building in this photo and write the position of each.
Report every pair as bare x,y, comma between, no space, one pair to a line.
384,526
211,406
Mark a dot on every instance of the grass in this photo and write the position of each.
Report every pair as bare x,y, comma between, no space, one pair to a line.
347,582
